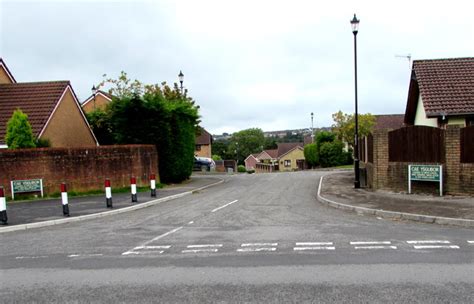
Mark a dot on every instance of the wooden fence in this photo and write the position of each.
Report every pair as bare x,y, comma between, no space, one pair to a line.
416,144
467,145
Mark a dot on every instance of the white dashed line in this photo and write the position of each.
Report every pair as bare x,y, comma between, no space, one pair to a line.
256,249
429,242
314,243
375,247
221,207
204,246
152,247
436,247
191,222
30,257
258,244
314,248
470,242
371,243
84,255
199,250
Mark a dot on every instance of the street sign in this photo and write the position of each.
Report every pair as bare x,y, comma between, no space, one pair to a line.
429,173
26,185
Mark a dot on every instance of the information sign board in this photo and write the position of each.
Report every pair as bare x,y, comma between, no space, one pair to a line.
429,173
27,185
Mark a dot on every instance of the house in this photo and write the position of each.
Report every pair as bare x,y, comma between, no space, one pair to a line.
268,156
203,147
389,121
251,161
291,156
52,107
441,93
98,100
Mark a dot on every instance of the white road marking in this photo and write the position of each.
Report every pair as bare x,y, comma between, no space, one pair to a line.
219,208
84,255
375,247
162,235
256,249
31,257
191,222
130,252
429,242
314,248
150,252
200,250
204,246
371,243
470,242
436,247
314,243
258,244
152,247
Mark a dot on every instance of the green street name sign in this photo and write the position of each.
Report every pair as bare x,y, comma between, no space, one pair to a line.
428,173
425,173
27,185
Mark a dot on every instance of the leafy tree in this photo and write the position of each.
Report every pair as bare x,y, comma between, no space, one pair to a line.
19,134
246,142
331,154
220,148
270,143
311,155
101,126
344,126
216,157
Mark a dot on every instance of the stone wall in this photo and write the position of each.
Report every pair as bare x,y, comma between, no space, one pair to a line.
458,178
81,168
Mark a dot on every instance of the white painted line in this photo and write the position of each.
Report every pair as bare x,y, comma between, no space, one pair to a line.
470,242
152,247
204,246
148,252
255,249
191,222
429,242
31,257
375,247
313,248
219,208
73,255
436,247
162,235
130,252
314,243
200,250
371,243
84,255
258,244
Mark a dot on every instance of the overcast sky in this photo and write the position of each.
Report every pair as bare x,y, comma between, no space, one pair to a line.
265,64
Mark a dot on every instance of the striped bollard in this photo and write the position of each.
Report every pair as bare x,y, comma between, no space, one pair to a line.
3,207
108,193
153,185
64,199
133,186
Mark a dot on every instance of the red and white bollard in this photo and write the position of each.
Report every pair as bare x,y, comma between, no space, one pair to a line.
108,193
64,199
133,186
153,185
3,207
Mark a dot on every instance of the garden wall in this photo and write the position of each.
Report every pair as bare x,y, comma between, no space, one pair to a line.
82,169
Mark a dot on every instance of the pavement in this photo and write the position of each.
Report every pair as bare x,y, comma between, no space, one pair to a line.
337,190
48,212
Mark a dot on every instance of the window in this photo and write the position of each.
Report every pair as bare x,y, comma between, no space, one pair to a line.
198,147
287,162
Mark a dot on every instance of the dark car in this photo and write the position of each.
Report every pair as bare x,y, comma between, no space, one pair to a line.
203,163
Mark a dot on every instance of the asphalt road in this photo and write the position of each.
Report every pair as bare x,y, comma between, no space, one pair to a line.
255,238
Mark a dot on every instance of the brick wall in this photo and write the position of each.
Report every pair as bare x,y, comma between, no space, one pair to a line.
458,178
81,168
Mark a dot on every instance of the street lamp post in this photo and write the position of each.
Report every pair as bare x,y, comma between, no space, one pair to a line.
355,30
312,129
181,79
94,91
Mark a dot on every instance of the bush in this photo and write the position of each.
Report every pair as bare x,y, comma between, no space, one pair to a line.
331,154
241,168
43,143
311,155
250,171
19,134
216,157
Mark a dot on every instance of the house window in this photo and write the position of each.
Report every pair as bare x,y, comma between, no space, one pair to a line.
198,147
287,162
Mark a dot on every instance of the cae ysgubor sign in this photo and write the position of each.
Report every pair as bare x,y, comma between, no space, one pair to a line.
429,173
26,185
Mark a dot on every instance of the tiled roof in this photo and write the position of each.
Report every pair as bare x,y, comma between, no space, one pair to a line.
390,121
36,99
446,85
284,148
272,153
203,139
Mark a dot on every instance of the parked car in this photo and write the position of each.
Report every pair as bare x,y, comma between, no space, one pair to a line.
203,163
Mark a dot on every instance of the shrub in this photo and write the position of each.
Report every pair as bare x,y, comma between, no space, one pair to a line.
43,143
216,157
250,171
311,155
241,168
19,134
331,154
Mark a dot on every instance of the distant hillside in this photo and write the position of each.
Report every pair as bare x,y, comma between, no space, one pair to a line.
293,133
